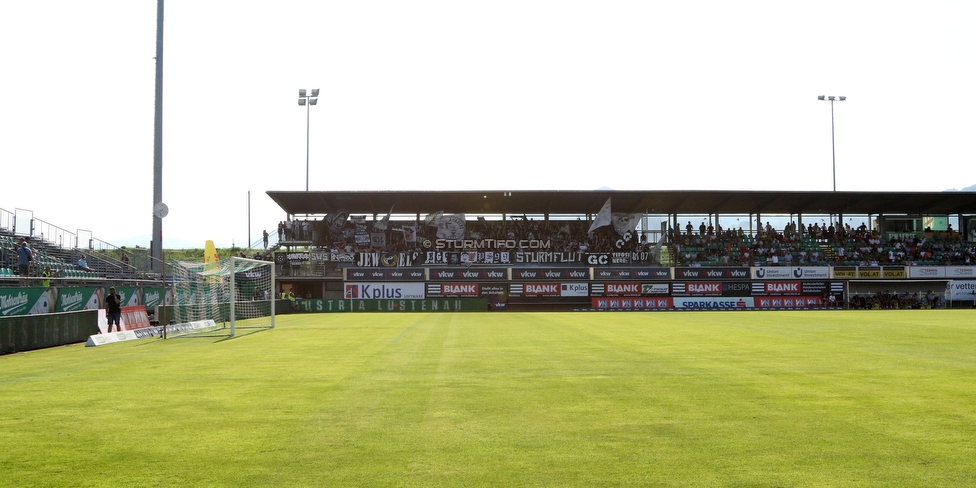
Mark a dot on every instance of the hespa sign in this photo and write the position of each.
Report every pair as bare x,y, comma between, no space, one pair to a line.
384,291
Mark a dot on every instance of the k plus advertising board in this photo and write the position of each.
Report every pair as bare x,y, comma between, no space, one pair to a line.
385,291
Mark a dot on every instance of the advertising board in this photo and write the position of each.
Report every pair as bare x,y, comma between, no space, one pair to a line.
627,303
632,273
531,274
711,288
467,274
426,305
391,274
710,273
707,303
790,273
789,302
386,291
465,290
963,291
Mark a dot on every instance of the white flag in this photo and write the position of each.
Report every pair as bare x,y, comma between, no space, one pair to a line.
451,227
410,232
602,218
377,240
384,222
656,250
432,219
624,223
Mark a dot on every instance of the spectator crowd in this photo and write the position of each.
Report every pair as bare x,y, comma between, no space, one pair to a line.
818,245
794,245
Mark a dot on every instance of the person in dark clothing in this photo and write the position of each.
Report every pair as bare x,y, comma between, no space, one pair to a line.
113,310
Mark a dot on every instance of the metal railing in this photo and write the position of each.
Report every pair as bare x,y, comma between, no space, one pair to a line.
68,246
6,221
53,234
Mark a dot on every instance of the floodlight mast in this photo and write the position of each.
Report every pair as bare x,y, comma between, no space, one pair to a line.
833,151
156,244
305,100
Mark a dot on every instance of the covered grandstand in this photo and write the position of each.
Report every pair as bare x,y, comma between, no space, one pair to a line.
672,235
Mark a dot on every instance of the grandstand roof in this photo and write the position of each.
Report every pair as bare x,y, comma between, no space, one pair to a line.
654,202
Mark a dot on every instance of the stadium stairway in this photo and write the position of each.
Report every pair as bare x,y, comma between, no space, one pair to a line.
666,257
829,253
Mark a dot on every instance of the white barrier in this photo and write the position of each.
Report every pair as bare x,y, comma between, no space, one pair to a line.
111,338
144,332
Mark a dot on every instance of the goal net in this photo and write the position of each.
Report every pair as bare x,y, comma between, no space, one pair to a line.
219,298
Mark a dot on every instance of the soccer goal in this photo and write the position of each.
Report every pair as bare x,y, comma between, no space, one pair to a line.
219,298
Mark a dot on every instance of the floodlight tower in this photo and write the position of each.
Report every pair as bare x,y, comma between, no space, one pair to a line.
307,101
833,151
159,208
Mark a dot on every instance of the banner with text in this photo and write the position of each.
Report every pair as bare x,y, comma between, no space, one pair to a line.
373,274
711,273
629,289
466,290
405,305
468,274
663,274
814,288
389,291
790,273
525,274
712,288
549,289
450,258
704,303
963,291
625,303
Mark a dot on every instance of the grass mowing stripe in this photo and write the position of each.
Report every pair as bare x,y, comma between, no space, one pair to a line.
541,399
407,329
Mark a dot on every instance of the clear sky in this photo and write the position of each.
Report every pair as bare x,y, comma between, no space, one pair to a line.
441,95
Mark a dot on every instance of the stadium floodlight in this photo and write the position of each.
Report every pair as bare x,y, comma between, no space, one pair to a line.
307,101
833,150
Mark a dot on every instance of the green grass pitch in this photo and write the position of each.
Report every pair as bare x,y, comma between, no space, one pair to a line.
867,398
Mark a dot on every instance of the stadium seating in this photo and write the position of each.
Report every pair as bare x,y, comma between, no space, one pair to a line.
791,247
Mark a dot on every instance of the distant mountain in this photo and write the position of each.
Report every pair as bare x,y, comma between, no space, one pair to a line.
968,188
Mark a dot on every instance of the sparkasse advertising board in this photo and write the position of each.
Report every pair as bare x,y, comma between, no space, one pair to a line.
706,303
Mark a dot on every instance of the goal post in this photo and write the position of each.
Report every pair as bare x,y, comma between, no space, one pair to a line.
230,294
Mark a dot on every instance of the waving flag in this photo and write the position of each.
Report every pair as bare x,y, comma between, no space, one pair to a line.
451,227
602,218
624,223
